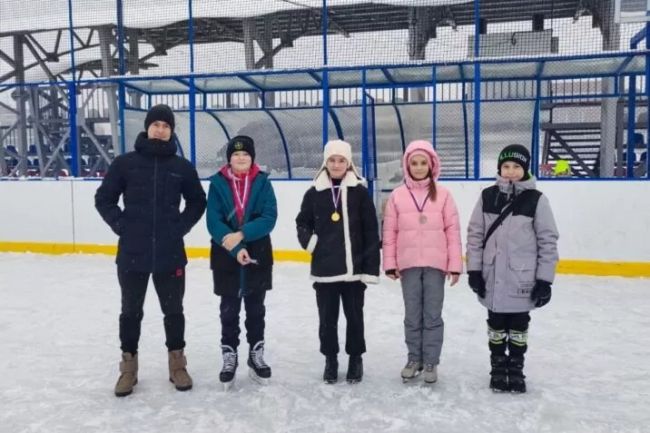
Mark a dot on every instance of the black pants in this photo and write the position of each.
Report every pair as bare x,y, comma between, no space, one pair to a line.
507,322
328,299
255,311
170,287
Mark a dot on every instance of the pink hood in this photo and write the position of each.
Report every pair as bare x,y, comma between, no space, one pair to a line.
420,146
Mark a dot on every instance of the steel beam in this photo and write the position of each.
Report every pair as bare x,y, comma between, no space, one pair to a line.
249,32
106,38
420,25
609,116
19,60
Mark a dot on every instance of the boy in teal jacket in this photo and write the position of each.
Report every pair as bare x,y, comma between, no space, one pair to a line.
241,214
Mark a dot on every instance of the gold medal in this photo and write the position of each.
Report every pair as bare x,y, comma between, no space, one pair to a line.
335,201
423,219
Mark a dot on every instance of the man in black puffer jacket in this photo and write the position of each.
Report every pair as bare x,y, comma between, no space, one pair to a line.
151,181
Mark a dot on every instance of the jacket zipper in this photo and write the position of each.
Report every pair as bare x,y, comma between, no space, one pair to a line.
153,238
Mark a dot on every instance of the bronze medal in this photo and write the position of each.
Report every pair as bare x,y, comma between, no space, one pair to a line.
336,217
422,219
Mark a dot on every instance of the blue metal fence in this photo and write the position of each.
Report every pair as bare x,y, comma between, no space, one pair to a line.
320,104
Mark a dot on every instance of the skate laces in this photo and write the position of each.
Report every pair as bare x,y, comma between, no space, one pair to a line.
257,355
411,369
229,359
429,367
412,364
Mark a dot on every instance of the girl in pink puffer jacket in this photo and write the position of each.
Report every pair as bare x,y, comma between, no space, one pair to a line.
421,247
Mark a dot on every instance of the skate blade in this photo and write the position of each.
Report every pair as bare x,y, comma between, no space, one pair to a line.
411,379
330,382
353,381
227,386
255,378
429,382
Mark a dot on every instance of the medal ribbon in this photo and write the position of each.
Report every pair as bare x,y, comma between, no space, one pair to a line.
336,197
241,200
419,207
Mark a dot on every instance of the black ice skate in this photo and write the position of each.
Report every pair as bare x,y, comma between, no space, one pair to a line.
259,372
230,363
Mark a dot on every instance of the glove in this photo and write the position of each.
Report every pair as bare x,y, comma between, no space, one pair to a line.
541,293
393,274
477,283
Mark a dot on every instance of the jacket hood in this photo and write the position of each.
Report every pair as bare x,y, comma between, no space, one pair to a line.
426,148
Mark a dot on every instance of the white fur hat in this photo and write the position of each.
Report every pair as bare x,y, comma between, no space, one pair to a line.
338,147
342,148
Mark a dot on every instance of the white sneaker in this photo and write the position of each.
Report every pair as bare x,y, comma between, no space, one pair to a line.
411,370
430,373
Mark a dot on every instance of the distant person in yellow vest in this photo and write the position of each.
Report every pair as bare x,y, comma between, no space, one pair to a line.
562,169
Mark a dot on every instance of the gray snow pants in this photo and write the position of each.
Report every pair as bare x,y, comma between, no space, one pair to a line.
424,292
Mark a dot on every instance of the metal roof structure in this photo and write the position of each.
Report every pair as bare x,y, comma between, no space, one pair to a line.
390,76
164,27
116,40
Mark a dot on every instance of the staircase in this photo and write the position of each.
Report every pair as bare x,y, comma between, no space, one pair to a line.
451,150
576,143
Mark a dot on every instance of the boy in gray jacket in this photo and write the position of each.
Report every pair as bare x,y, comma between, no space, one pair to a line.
511,259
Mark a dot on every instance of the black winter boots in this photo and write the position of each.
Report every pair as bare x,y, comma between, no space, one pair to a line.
499,373
355,369
507,374
516,378
331,373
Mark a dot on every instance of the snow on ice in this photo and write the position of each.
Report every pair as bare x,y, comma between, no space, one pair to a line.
588,362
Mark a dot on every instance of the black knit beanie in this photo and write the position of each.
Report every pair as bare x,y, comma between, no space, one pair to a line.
515,153
159,112
243,143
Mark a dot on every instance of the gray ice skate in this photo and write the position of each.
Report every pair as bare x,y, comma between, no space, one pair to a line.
430,374
411,370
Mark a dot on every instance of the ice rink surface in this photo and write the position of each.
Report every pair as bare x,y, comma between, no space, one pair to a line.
588,364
